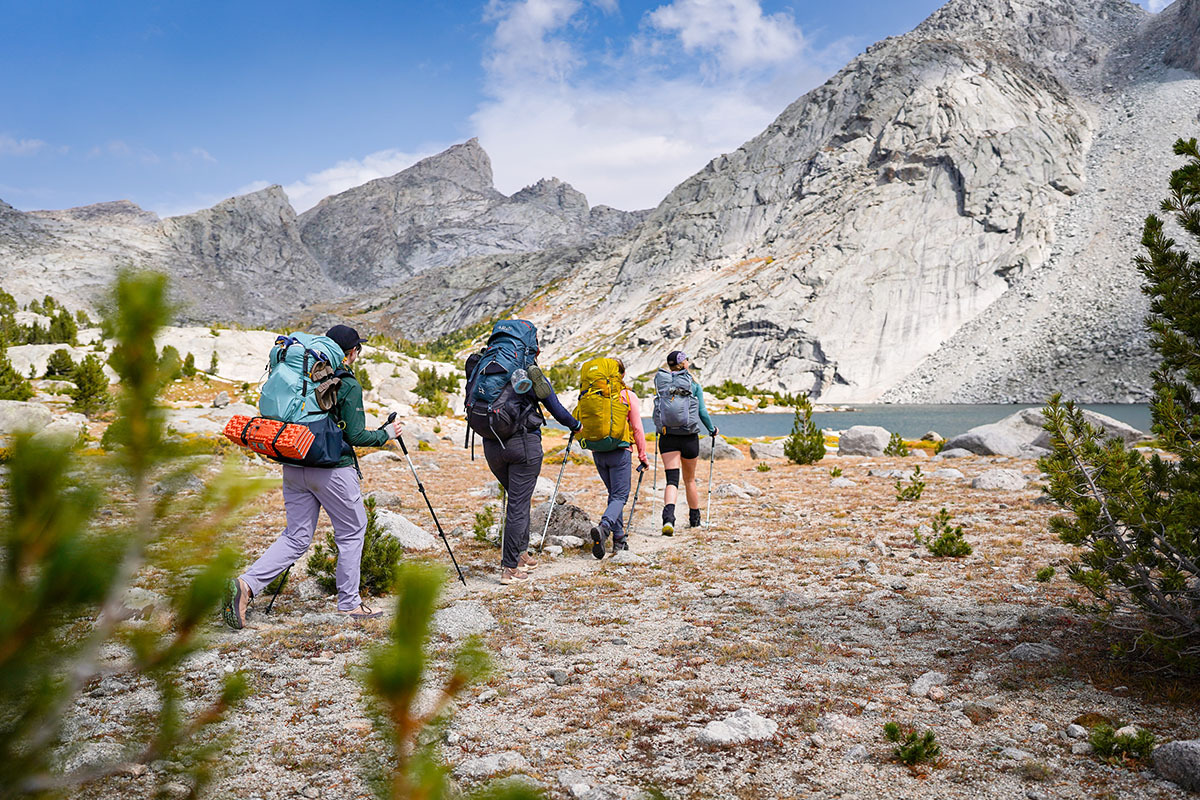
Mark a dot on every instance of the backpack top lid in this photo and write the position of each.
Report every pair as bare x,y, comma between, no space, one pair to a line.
318,348
602,375
519,329
289,393
668,381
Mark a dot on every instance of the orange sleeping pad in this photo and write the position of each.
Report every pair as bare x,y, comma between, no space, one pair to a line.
270,437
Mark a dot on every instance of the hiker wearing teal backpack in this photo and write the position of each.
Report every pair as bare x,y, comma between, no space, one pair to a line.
679,413
504,395
309,384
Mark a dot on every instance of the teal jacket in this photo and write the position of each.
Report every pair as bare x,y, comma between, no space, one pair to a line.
704,420
349,410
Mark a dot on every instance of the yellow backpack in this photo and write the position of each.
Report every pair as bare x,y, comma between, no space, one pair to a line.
605,416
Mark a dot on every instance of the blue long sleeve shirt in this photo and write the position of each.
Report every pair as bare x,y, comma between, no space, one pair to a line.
556,409
704,419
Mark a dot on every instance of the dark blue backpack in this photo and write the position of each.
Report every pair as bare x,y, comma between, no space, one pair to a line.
494,409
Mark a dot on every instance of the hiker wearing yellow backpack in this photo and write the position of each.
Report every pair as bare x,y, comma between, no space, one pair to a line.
612,424
678,414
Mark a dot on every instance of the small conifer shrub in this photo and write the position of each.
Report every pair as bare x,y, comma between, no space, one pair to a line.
836,472
188,370
911,748
945,540
484,520
90,394
763,466
806,444
60,364
896,446
212,363
380,554
911,491
13,386
1045,574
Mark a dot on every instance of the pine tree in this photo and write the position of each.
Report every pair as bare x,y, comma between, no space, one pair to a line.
1137,521
13,386
188,369
806,445
60,364
90,394
212,363
63,328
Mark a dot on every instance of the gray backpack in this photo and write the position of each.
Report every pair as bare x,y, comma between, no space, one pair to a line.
676,409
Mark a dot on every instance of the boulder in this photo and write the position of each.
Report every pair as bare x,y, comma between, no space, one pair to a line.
17,416
739,727
986,440
409,535
760,451
921,686
1179,762
1033,651
1004,479
221,400
863,440
952,452
67,427
724,450
1018,433
947,473
568,520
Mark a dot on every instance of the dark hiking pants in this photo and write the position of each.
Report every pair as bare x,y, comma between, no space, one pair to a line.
516,463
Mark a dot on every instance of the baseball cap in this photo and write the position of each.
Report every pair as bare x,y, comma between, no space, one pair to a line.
346,337
675,356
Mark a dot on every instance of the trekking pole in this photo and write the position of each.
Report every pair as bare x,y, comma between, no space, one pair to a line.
278,589
641,474
429,505
554,494
712,453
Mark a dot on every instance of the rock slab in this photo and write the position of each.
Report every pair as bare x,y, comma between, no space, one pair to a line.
739,727
1179,762
864,440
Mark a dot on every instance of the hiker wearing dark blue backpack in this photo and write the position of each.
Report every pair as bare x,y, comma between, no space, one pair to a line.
504,394
678,414
309,384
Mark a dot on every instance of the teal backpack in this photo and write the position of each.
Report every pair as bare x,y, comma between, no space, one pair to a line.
301,387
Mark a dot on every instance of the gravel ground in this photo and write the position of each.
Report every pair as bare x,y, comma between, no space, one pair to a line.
808,605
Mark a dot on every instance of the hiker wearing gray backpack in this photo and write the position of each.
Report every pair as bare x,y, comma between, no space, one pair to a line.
678,414
504,394
309,385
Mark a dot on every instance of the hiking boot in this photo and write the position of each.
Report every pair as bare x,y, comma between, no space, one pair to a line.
510,576
693,518
619,546
362,612
599,534
668,528
237,598
527,563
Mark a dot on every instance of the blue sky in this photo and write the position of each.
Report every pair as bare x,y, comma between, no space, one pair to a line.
177,105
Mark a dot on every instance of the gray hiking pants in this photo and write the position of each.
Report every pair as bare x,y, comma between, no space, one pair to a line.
615,468
306,490
516,463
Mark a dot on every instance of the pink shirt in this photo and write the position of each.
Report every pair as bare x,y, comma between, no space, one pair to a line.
635,422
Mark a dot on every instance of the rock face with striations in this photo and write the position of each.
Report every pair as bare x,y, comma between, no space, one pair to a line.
441,211
952,217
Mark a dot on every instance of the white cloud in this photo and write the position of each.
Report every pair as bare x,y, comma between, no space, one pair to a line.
312,188
1158,5
19,147
700,78
736,31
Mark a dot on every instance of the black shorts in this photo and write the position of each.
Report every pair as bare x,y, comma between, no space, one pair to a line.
686,444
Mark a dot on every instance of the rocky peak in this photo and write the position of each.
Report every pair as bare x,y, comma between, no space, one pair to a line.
554,195
114,212
466,164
